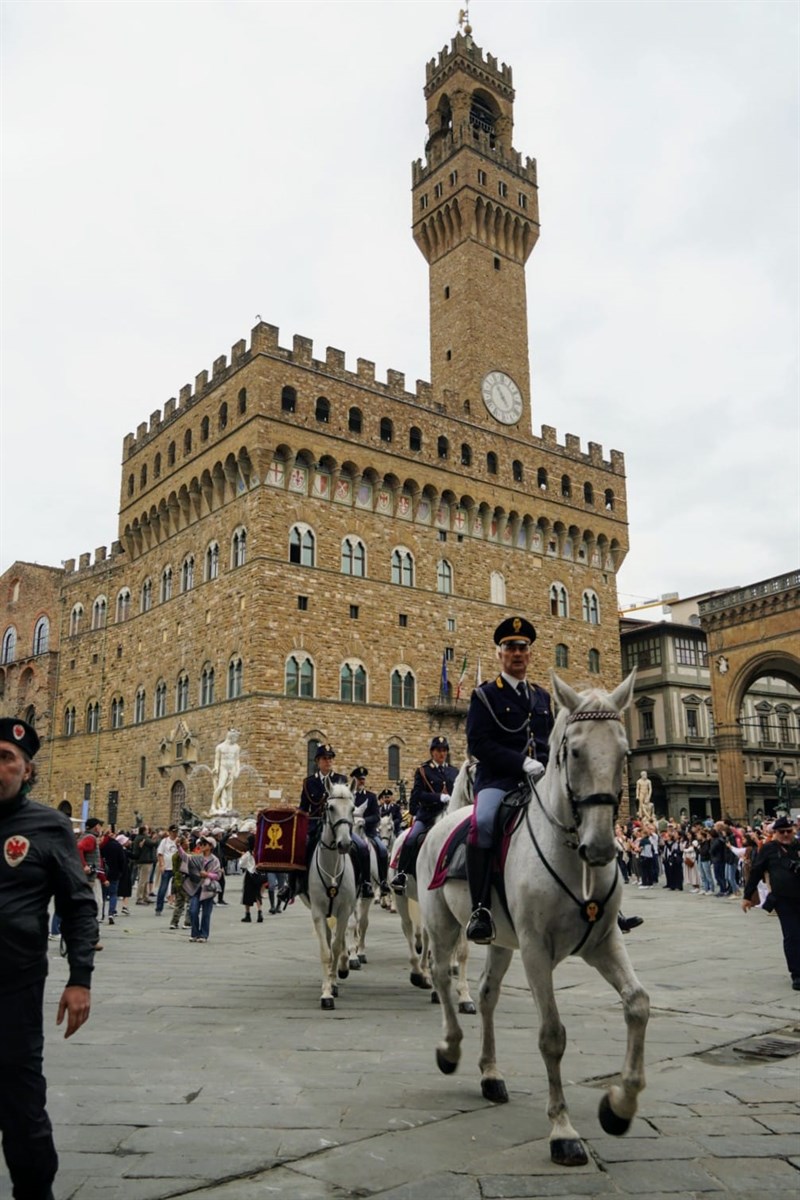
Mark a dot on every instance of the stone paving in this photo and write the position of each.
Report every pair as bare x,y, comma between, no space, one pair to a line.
210,1071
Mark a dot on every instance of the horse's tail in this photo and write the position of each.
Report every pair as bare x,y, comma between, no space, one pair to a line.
463,791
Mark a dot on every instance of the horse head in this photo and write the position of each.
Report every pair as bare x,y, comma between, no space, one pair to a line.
588,747
339,816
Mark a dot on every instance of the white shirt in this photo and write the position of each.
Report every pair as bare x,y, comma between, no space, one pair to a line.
166,848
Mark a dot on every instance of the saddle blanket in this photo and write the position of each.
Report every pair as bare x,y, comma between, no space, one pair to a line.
281,836
452,860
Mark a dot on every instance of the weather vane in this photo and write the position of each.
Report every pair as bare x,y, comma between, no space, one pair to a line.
463,19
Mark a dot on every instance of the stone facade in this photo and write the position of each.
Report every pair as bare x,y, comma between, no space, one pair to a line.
331,535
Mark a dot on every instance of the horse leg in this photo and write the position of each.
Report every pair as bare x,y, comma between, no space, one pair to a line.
362,925
465,1001
498,960
566,1147
419,976
443,932
340,957
618,1106
326,959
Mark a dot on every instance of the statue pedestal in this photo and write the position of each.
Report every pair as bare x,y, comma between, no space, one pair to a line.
222,820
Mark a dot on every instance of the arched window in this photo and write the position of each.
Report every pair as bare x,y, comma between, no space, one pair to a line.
591,608
117,712
608,499
301,546
466,455
222,421
157,467
166,584
393,764
442,447
562,655
146,600
541,479
353,683
143,477
9,651
322,410
354,557
131,484
123,610
404,688
211,570
239,548
41,636
355,420
30,715
139,706
588,494
171,454
403,567
559,600
69,721
99,613
205,426
187,442
207,685
386,430
517,471
92,717
300,676
594,662
160,705
444,577
288,399
497,588
491,462
182,693
234,678
415,439
75,618
187,573
241,401
566,487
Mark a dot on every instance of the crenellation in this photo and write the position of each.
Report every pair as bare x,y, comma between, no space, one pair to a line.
128,445
302,350
84,560
572,444
595,454
238,351
141,430
424,391
219,366
549,435
100,554
155,421
200,382
264,338
617,462
395,380
169,408
335,360
69,566
365,370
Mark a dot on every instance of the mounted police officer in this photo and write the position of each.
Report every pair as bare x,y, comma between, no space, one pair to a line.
366,806
509,723
389,807
313,798
430,796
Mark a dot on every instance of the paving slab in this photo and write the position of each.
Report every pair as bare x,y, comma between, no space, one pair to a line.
228,1082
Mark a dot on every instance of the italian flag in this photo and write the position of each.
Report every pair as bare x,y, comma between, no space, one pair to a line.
461,678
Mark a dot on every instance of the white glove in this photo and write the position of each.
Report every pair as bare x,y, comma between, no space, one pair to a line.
445,799
533,768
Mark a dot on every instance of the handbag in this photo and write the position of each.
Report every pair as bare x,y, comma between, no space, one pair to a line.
211,885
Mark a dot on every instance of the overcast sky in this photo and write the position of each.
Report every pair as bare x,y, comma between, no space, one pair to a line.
170,170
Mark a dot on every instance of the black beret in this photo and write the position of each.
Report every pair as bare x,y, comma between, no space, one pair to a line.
514,629
20,734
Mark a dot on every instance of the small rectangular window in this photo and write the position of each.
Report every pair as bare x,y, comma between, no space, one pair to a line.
438,190
523,200
403,620
354,612
142,771
496,263
448,653
502,189
449,355
482,178
423,202
447,293
453,178
302,603
442,535
451,624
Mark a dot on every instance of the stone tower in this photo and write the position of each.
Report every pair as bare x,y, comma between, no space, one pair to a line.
476,220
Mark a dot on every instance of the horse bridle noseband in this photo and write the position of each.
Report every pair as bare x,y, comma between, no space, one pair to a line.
333,826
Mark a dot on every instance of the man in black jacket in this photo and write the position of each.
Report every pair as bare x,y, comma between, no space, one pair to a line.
780,859
39,860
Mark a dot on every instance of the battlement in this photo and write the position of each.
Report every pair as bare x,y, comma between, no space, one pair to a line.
461,136
103,561
571,451
462,46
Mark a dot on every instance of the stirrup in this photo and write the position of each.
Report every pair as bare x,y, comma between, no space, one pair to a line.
399,883
481,927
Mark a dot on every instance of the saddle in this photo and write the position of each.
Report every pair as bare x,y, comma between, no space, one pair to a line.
452,860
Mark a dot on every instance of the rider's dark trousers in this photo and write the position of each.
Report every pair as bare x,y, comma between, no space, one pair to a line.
28,1145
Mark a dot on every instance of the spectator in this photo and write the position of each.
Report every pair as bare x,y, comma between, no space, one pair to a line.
166,848
202,872
179,896
252,883
143,855
115,865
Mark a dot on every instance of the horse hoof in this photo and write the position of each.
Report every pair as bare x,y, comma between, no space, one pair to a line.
568,1152
435,998
342,974
444,1064
327,1003
609,1120
467,1006
494,1090
419,980
355,964
362,958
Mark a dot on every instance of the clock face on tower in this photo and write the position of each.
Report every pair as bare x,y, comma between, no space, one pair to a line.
502,397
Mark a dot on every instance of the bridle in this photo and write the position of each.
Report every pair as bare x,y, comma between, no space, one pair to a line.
333,826
578,803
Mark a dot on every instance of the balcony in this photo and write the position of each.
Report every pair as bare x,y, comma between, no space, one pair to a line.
446,706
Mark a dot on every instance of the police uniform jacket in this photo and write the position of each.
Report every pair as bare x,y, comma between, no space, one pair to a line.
393,811
367,807
777,861
504,728
40,859
430,782
315,793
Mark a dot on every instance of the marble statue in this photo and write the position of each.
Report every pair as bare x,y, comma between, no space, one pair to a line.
644,802
225,772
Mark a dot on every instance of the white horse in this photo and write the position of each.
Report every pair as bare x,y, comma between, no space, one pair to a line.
563,894
332,889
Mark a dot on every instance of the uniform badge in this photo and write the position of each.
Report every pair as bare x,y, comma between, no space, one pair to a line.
592,911
15,849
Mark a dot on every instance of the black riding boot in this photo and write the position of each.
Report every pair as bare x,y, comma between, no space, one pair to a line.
479,876
405,867
626,924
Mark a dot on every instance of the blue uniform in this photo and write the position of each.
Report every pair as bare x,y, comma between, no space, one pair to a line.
313,798
371,813
504,727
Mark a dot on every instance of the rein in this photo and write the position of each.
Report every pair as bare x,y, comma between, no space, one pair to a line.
331,882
